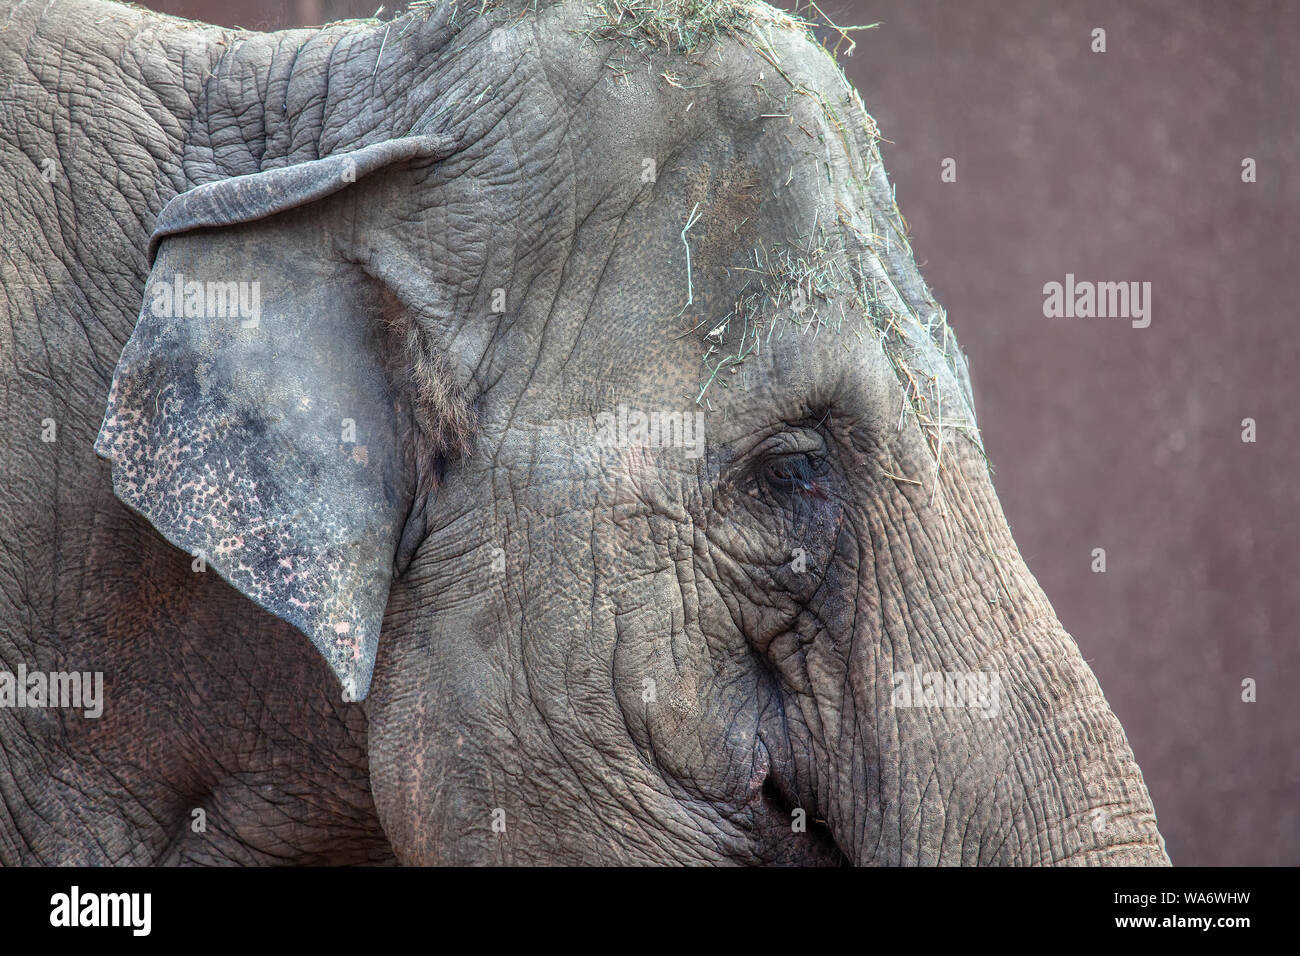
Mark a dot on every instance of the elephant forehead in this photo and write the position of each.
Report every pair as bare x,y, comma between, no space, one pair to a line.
734,227
810,293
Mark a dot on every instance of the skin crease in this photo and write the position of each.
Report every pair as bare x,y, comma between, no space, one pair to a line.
550,578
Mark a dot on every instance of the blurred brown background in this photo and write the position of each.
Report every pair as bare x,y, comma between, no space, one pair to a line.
1115,166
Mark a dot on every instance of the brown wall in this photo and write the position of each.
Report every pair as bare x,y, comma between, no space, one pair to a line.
1122,166
1127,166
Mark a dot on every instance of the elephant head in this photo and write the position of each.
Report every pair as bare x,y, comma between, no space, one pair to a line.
574,391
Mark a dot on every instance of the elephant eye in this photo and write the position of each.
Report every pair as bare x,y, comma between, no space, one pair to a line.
793,475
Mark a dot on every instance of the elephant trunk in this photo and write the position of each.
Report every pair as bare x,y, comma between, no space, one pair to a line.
1019,761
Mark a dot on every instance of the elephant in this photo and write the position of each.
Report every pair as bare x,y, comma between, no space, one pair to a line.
507,433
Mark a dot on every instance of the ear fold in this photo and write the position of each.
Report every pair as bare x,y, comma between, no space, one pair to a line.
252,418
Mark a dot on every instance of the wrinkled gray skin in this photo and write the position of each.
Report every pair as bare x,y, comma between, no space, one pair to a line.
534,586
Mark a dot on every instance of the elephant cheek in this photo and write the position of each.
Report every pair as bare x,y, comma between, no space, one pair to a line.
700,727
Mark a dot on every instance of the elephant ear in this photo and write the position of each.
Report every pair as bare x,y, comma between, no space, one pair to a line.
253,418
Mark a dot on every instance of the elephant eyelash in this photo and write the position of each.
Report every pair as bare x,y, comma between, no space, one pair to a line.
794,475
